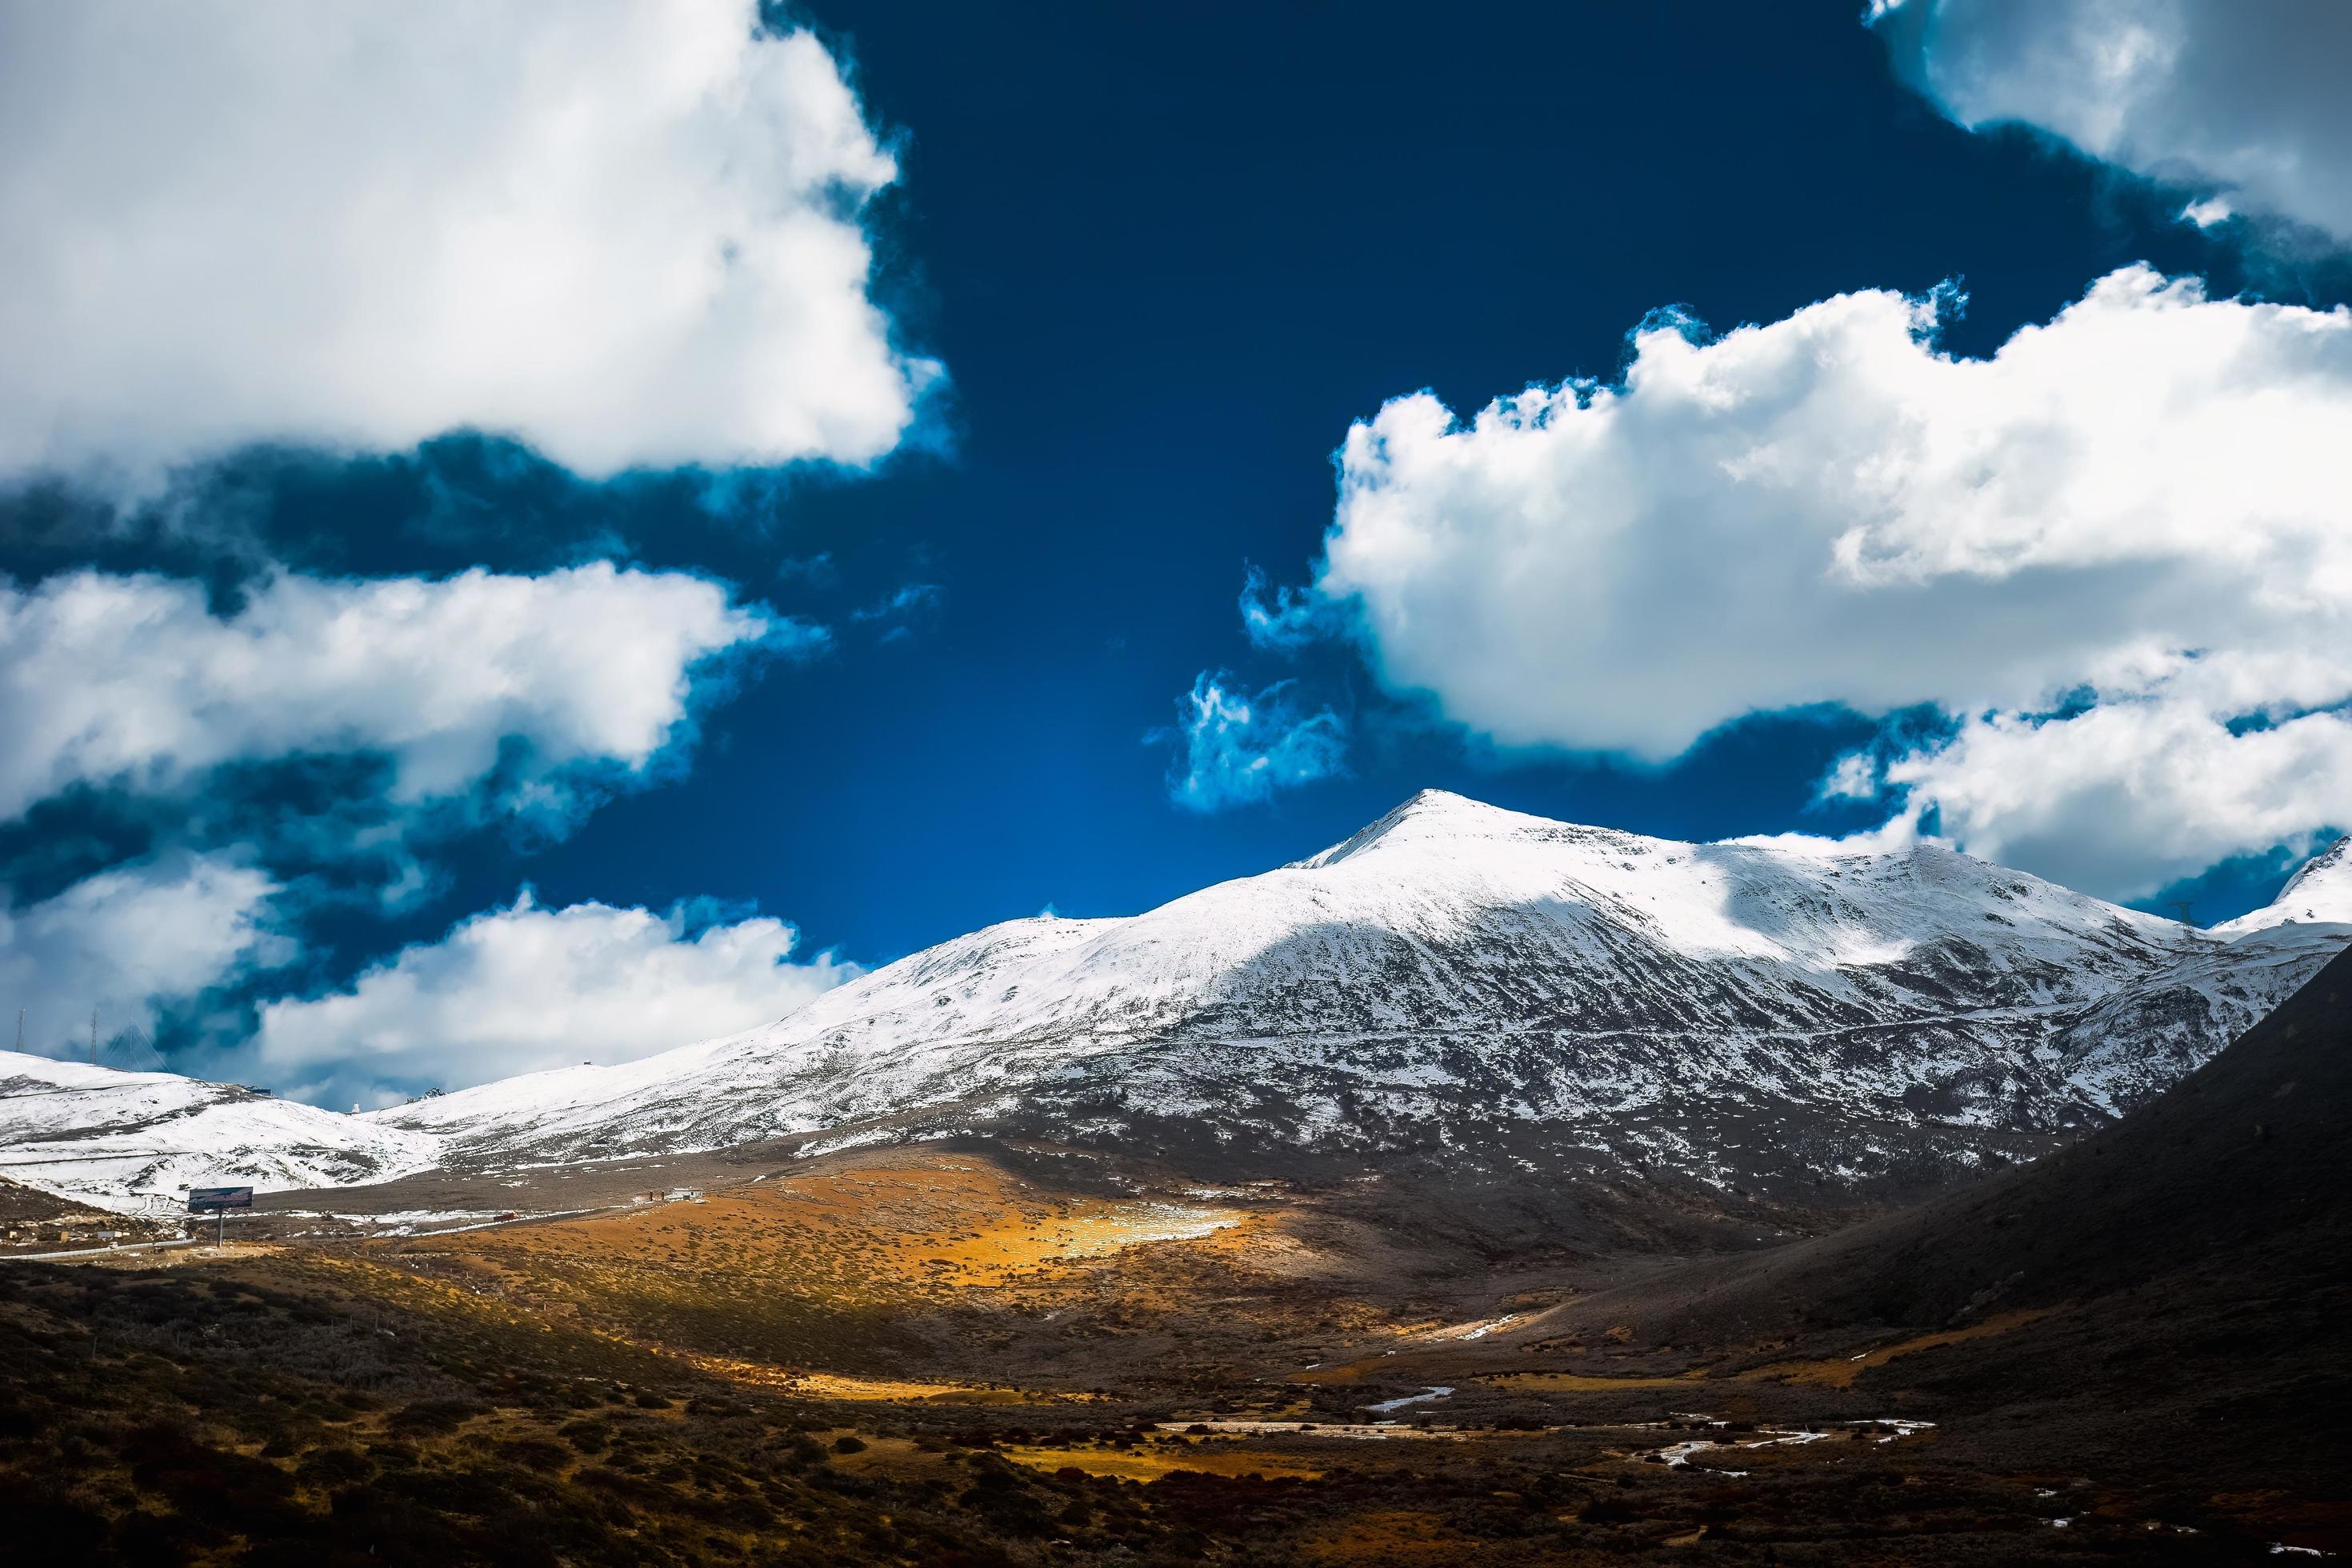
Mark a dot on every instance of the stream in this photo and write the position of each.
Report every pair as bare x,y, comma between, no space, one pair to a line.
1423,1398
1679,1454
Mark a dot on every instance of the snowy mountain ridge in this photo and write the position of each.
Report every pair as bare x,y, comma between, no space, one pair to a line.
1455,982
2319,893
1484,983
137,1140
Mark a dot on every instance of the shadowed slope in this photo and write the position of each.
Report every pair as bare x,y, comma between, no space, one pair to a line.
2163,1301
2247,1156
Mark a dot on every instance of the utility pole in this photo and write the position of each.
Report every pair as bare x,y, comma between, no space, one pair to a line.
20,1031
93,1034
2182,905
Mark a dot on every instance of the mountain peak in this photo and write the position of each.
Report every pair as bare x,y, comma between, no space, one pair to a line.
1428,814
1424,804
2329,872
1430,806
2318,894
2322,890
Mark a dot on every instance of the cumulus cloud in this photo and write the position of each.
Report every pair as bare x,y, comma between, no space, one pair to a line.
627,232
135,682
2134,794
129,938
2208,95
1237,749
524,988
2137,516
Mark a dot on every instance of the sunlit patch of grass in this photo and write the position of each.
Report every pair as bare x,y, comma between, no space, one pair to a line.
1151,1462
875,1390
1840,1373
871,1273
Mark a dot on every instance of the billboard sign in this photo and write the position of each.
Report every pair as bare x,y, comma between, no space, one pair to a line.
213,1200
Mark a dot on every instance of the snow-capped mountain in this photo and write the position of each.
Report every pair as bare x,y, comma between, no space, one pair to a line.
133,1141
1498,988
1499,991
2318,894
2155,1032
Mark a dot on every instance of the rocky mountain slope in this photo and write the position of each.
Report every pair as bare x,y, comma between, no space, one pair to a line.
1498,992
2245,1155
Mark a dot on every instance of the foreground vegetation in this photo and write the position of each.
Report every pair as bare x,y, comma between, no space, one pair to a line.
490,1399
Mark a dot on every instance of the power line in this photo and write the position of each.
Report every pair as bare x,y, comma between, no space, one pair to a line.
133,1049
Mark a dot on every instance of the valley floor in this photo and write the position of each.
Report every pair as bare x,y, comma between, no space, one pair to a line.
986,1356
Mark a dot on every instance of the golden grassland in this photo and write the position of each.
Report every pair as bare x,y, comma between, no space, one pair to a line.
891,1277
1149,1462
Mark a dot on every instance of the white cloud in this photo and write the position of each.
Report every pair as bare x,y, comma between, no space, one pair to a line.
542,687
1239,749
1854,776
629,232
130,937
2149,498
134,681
524,988
2134,794
2214,95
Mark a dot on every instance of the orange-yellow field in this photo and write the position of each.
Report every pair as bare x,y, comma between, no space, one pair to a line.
860,1278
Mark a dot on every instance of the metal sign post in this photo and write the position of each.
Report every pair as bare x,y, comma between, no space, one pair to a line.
216,1201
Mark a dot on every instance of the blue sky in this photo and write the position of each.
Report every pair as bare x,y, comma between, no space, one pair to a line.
1131,276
